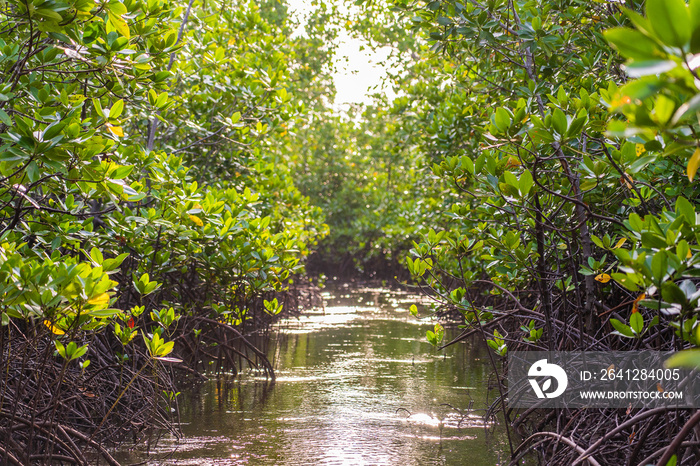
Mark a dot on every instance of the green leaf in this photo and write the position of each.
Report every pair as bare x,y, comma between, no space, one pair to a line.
663,109
96,256
60,348
659,266
640,163
540,136
577,126
105,312
639,21
509,190
152,96
695,41
117,8
637,322
559,122
121,172
526,182
111,264
164,349
640,89
621,328
655,305
52,130
162,99
98,107
33,171
79,351
687,358
651,240
673,294
439,332
670,20
597,241
632,43
5,118
625,280
502,119
48,15
686,209
510,179
116,109
694,11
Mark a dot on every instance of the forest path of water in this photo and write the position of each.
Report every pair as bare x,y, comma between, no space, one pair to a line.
357,384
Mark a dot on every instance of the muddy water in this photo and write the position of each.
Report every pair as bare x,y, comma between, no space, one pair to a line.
357,384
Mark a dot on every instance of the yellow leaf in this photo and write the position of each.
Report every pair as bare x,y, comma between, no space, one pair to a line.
640,149
635,304
119,24
101,300
626,179
197,220
620,243
603,278
693,164
53,328
513,162
116,130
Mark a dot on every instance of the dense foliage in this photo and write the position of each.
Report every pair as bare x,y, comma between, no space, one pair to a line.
142,203
564,136
574,168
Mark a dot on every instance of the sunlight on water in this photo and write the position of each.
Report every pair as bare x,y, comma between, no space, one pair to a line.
357,384
423,419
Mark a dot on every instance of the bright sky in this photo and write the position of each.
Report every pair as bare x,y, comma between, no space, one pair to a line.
358,71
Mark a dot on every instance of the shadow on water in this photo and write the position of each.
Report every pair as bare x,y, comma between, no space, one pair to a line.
357,384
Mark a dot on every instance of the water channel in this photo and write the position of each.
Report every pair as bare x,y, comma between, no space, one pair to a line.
357,384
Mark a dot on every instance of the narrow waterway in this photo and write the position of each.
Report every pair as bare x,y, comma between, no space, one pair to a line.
357,384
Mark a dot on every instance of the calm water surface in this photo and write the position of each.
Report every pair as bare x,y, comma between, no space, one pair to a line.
357,384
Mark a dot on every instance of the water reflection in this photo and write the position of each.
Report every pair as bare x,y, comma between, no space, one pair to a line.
356,385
